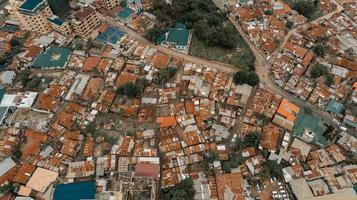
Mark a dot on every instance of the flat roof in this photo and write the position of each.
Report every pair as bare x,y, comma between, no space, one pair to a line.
56,20
54,57
31,4
75,191
125,13
41,179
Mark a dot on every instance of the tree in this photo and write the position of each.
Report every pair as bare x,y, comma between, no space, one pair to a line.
236,160
16,152
129,89
305,7
226,166
238,144
165,74
123,3
248,77
289,24
154,33
318,70
273,168
7,188
329,79
15,42
252,140
268,12
319,50
183,191
211,156
23,76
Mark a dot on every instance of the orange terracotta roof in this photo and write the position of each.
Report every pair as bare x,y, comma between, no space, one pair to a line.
36,135
65,119
288,110
160,60
24,173
270,136
56,90
48,103
92,90
125,77
232,182
166,121
32,52
90,63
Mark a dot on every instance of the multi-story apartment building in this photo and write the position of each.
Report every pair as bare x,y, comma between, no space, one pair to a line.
85,21
31,14
109,4
60,25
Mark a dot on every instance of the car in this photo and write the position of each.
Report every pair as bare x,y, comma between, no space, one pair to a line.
335,121
342,128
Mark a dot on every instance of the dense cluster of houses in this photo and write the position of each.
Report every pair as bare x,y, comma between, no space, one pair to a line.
294,65
68,131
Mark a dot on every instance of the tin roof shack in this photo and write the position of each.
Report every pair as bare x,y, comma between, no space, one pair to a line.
81,169
7,170
230,186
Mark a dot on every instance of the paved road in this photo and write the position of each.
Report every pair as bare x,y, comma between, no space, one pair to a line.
263,67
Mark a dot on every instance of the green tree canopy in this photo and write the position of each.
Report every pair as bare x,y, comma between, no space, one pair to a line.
129,89
165,74
183,191
319,50
318,70
248,77
305,7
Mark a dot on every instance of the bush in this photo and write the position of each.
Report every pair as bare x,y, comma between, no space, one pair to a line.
209,25
318,70
319,50
129,89
273,168
154,33
268,12
252,140
183,191
164,75
248,77
226,166
289,24
305,7
329,80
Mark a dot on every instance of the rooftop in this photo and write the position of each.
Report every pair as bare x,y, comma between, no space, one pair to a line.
75,191
178,35
306,121
31,5
125,13
54,57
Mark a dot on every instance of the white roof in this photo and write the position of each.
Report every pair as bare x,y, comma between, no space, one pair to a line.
20,100
6,165
7,77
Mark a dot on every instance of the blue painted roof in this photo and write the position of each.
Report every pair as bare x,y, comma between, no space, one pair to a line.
56,20
125,13
30,4
335,107
75,191
111,35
